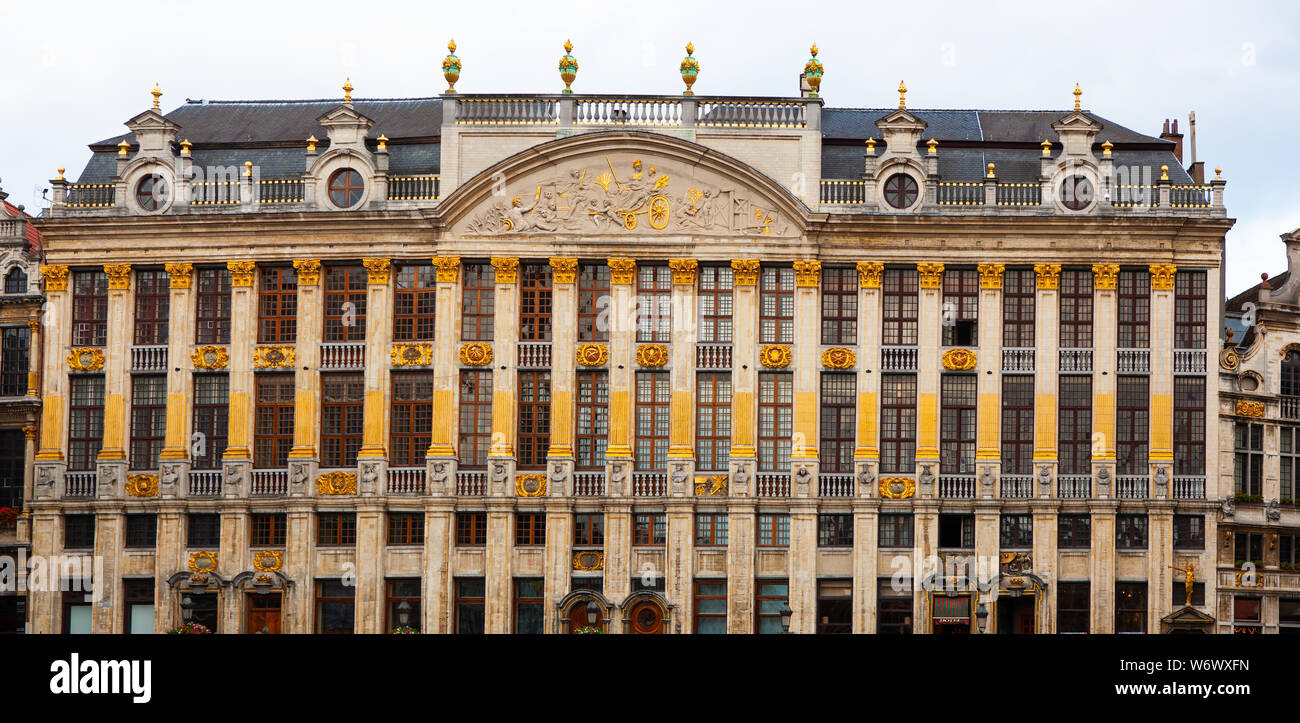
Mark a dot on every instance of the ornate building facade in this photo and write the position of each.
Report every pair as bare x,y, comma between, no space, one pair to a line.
681,364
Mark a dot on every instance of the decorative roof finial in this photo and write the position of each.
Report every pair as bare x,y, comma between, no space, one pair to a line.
1077,93
690,69
1047,147
311,143
1106,149
156,93
902,94
1218,173
991,174
451,67
185,147
347,91
123,148
813,70
933,145
383,143
568,67
1164,173
248,168
60,178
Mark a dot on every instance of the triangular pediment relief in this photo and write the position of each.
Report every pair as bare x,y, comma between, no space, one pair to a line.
151,120
343,112
1077,121
1187,615
901,119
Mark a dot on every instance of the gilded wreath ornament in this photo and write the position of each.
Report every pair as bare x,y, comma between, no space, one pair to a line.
86,359
897,488
337,483
588,560
592,355
475,354
530,485
210,357
202,562
839,358
959,360
142,485
775,356
652,355
1250,408
268,560
274,357
412,355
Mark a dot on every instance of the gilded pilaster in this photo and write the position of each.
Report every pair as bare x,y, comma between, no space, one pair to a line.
1047,360
870,274
1162,364
807,339
564,336
1105,362
928,354
504,339
180,337
744,375
243,334
445,366
54,378
379,335
989,367
681,444
622,335
306,414
117,373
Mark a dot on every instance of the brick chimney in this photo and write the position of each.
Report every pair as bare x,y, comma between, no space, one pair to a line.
1170,133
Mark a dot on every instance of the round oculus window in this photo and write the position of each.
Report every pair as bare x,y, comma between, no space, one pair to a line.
345,188
152,192
1076,193
901,190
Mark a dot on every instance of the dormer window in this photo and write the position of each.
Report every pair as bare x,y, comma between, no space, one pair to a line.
901,190
1076,193
16,281
152,193
345,188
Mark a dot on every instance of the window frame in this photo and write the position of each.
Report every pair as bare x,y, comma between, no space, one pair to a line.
212,307
152,307
840,289
343,284
713,421
415,302
474,438
342,418
273,426
277,305
533,419
654,303
715,301
961,287
535,302
471,528
653,429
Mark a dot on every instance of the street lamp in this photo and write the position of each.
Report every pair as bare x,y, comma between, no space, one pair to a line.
982,616
786,614
187,608
403,612
593,612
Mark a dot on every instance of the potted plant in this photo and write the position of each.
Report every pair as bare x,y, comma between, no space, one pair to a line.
404,630
189,627
588,630
8,516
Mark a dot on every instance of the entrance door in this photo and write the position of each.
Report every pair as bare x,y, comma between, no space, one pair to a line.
1015,615
579,618
263,614
647,619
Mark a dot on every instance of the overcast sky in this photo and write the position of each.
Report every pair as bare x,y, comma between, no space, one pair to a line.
74,72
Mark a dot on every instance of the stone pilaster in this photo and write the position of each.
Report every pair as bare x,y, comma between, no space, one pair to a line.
110,537
47,541
371,596
679,560
234,557
744,374
618,541
238,457
438,536
807,339
564,337
559,557
1045,556
866,526
867,451
987,549
169,560
34,359
379,334
300,609
988,370
497,583
1104,364
1162,368
1160,562
742,522
304,457
1102,584
1047,334
175,455
929,337
445,365
925,521
803,565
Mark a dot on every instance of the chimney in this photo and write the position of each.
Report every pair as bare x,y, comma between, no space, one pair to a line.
1196,169
1170,133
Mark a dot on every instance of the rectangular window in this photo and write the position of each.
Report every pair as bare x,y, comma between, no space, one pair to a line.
772,596
141,531
839,409
1132,425
335,608
773,530
776,305
835,530
898,423
1189,532
89,308
535,302
475,418
588,529
415,301
1016,531
412,426
534,419
649,528
1130,607
654,303
1075,440
212,320
404,600
961,307
406,528
211,419
591,433
1189,309
1131,532
471,529
958,396
530,606
593,302
1076,309
277,305
273,433
1073,607
138,601
839,306
78,531
1074,531
1134,312
345,303
343,398
956,531
900,307
712,421
269,529
1017,424
336,529
470,605
1019,287
152,305
14,361
13,445
203,530
653,401
1246,615
894,608
85,422
1248,547
148,420
1289,550
775,420
715,298
834,607
711,529
710,607
896,529
530,529
1189,425
1289,454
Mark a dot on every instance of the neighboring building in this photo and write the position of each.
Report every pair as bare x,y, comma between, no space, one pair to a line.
20,404
1258,546
645,363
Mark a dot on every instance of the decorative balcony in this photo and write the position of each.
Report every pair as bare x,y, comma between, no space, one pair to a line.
898,358
285,190
347,355
957,486
414,188
406,480
1131,486
768,484
1189,487
1133,361
632,110
834,485
1189,361
1078,361
1016,486
649,484
205,483
712,356
471,483
215,193
270,483
1074,486
1018,360
588,484
80,484
151,358
534,354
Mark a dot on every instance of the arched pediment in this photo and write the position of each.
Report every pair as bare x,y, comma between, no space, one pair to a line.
622,183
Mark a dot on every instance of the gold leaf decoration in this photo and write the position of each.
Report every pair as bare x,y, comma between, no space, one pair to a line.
268,560
652,355
775,356
807,273
683,271
931,275
507,269
308,271
1162,276
448,268
142,485
412,355
210,357
241,272
180,275
203,562
475,354
897,488
622,271
86,359
959,360
1049,276
1105,276
1229,359
870,274
119,276
712,485
56,277
838,358
1250,408
589,560
564,270
530,485
377,270
337,483
593,355
991,275
274,357
746,271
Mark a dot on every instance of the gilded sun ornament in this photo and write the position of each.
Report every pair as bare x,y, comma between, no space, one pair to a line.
475,354
593,355
142,485
337,483
838,358
652,355
959,360
775,356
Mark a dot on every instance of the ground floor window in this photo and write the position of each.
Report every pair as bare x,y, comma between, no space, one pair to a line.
77,611
1246,615
404,603
834,607
203,609
1288,616
1072,606
137,599
530,602
1130,607
773,595
894,608
710,607
470,606
335,608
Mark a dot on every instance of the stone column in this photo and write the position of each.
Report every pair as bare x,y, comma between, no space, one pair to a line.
373,455
622,339
1102,585
497,565
741,514
744,374
867,452
438,535
679,559
1104,365
1047,334
807,339
925,559
445,368
564,338
866,525
117,377
175,455
618,550
929,338
170,559
370,593
34,359
110,537
681,445
55,375
803,565
1160,562
501,455
238,457
300,612
304,457
988,369
559,557
1045,556
233,557
1162,372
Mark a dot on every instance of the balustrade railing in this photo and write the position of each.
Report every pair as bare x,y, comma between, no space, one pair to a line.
898,358
406,480
205,482
1020,194
1017,486
588,484
961,193
214,193
1075,360
1289,407
270,482
1191,196
1189,361
152,358
1074,486
343,355
1189,487
414,188
743,113
712,356
80,484
506,111
471,483
1131,486
767,484
834,485
534,354
280,190
1018,360
649,484
92,195
838,192
1133,361
954,486
628,111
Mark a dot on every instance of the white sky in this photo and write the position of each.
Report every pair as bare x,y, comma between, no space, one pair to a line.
74,71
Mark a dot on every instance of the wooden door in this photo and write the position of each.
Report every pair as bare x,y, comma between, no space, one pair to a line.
579,618
263,614
647,619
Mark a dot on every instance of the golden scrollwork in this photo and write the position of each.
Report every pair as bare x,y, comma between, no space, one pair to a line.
1105,277
652,355
412,355
308,271
530,485
180,274
622,271
807,273
745,271
1250,408
870,273
56,277
1162,276
241,272
119,276
377,270
589,560
839,358
711,485
274,357
210,357
775,356
507,269
476,354
142,485
592,355
1229,360
683,271
268,560
564,270
991,275
931,275
337,483
1048,275
448,268
86,359
897,488
203,562
959,360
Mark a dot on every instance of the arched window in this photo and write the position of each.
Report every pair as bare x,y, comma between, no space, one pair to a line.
16,281
1291,374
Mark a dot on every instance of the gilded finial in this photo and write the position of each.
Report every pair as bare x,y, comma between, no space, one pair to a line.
1106,149
60,178
1047,147
383,142
871,146
185,147
991,174
1077,93
451,67
568,67
156,93
690,68
1164,173
568,46
813,71
347,91
123,147
248,168
1218,173
902,94
451,45
311,143
933,145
